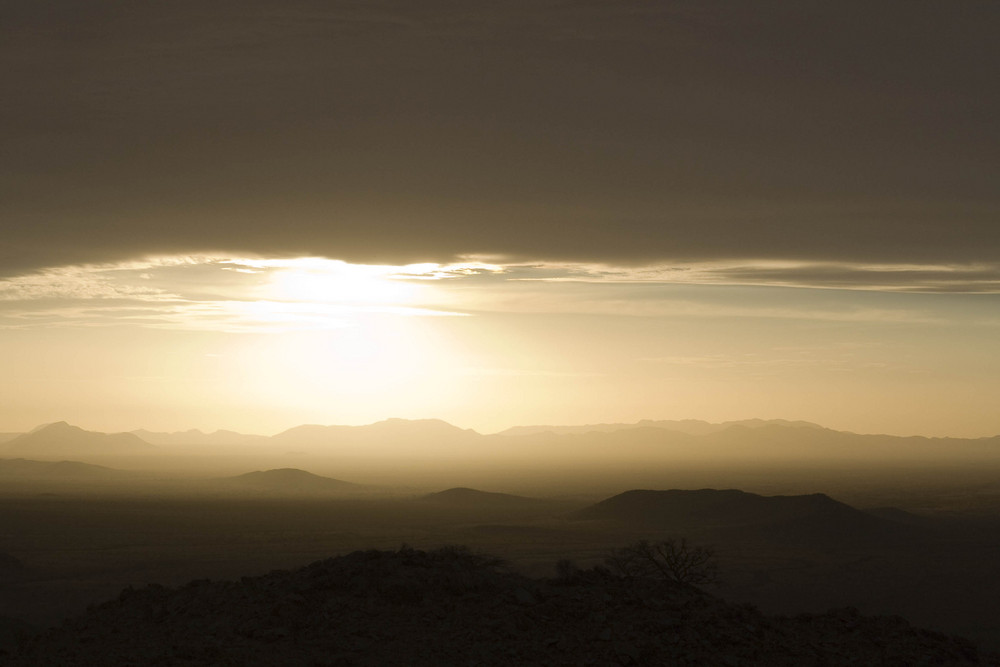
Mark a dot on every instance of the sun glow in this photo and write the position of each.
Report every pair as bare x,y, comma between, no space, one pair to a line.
327,281
355,337
357,372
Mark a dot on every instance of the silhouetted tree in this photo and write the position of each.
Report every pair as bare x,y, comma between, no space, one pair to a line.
674,560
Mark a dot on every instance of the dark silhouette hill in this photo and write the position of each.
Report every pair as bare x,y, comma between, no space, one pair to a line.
62,440
25,469
9,565
11,629
707,507
898,516
11,570
465,497
814,518
288,481
451,607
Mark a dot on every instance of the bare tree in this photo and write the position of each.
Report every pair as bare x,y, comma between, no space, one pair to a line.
674,560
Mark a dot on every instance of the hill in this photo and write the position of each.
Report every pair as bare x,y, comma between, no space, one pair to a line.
9,564
706,507
814,518
62,440
450,607
465,497
287,481
24,469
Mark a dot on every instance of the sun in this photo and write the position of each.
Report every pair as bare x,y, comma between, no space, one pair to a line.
324,281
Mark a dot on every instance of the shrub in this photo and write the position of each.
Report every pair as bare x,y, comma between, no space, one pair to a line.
673,560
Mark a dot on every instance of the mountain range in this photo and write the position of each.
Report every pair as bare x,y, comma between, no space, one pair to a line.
194,437
392,437
689,426
652,441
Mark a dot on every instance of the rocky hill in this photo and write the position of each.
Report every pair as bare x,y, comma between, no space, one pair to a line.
452,607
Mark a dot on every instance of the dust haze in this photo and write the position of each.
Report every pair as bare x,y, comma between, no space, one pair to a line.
802,518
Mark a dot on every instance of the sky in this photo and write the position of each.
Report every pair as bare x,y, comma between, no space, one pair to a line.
253,215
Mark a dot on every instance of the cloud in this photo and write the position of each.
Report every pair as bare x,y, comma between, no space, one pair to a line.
217,294
212,292
981,278
399,132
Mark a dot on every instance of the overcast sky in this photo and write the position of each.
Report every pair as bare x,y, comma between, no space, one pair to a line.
625,132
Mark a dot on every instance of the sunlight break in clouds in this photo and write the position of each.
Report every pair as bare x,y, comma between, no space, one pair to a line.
244,295
282,294
224,293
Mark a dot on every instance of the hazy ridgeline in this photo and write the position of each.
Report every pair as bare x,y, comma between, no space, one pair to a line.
768,456
904,526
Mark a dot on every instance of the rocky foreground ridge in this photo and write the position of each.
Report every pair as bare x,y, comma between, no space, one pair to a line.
453,607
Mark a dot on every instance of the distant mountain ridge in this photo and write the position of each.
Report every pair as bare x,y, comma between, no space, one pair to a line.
647,441
688,426
194,437
62,440
753,443
26,469
419,437
392,426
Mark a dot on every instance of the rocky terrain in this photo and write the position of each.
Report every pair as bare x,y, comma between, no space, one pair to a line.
453,607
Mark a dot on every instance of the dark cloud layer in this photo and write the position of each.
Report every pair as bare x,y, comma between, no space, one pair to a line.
401,131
